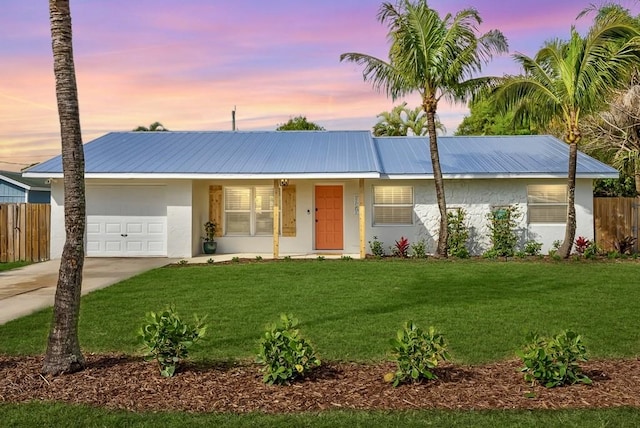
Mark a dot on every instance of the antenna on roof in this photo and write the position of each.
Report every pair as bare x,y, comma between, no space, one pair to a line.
233,119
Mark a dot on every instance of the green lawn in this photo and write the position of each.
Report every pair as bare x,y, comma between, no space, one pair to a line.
54,415
12,265
350,309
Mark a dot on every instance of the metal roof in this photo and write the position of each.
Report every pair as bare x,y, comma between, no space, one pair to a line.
486,156
275,154
227,153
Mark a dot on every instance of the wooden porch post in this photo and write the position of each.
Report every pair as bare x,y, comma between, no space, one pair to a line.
276,218
362,219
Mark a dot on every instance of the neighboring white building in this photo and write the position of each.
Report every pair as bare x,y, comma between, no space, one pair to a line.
149,193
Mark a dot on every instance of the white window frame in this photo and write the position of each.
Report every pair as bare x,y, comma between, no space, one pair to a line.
546,204
408,205
253,210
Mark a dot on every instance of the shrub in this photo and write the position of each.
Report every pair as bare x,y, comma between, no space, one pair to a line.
346,258
624,245
417,353
458,233
502,226
235,259
554,362
401,248
210,261
581,244
376,246
418,249
167,339
532,248
258,258
592,251
285,355
320,258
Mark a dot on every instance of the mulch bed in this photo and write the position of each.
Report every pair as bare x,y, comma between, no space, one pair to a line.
128,383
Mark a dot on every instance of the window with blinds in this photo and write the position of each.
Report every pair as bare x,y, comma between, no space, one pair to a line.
547,203
392,205
248,210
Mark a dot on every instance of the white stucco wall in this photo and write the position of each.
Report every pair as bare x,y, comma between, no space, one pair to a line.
179,217
477,197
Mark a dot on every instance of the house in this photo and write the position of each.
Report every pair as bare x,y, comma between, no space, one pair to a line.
14,188
149,193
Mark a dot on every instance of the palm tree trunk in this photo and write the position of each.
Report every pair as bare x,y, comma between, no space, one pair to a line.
570,232
430,111
63,348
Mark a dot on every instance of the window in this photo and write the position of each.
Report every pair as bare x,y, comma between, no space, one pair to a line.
392,205
547,203
248,210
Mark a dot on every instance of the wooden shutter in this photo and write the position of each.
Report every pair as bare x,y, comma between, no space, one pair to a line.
215,207
289,210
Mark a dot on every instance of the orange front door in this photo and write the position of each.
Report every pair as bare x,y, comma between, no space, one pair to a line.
329,217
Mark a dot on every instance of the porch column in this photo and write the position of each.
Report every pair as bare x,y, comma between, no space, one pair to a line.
362,219
276,219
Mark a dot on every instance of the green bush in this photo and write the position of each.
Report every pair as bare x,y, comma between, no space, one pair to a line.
285,355
419,249
532,248
554,361
377,248
458,233
167,339
592,251
417,353
502,227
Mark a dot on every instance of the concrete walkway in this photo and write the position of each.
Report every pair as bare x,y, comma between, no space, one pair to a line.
31,288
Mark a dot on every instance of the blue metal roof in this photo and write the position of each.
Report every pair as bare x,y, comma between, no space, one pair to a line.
226,153
320,153
525,155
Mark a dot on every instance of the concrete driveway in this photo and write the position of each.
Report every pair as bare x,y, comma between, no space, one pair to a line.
30,288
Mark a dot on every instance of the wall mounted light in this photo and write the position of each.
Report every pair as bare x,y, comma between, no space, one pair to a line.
284,182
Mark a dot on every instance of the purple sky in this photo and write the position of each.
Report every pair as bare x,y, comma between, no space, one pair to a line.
187,64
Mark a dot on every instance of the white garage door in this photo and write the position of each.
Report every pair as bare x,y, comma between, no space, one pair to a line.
126,221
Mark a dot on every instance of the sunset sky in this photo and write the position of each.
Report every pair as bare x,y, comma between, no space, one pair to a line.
187,64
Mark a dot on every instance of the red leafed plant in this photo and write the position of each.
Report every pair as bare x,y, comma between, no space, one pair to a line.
582,244
402,248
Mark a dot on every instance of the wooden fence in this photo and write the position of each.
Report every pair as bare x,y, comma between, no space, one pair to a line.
24,232
615,219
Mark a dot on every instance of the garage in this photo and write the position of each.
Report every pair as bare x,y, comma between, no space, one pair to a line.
126,221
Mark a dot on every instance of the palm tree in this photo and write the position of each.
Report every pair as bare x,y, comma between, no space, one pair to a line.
568,79
63,348
391,123
436,57
155,126
402,121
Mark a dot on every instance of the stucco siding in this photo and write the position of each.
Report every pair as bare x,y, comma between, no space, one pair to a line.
477,197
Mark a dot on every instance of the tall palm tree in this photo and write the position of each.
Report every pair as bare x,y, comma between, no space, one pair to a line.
569,79
435,57
63,348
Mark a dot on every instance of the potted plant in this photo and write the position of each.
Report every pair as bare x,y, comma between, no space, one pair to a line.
209,245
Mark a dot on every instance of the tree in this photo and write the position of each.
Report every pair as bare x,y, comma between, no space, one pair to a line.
402,121
63,348
614,134
154,127
299,123
485,119
568,79
435,57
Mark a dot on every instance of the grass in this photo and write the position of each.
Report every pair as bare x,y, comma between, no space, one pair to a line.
53,415
12,265
350,310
